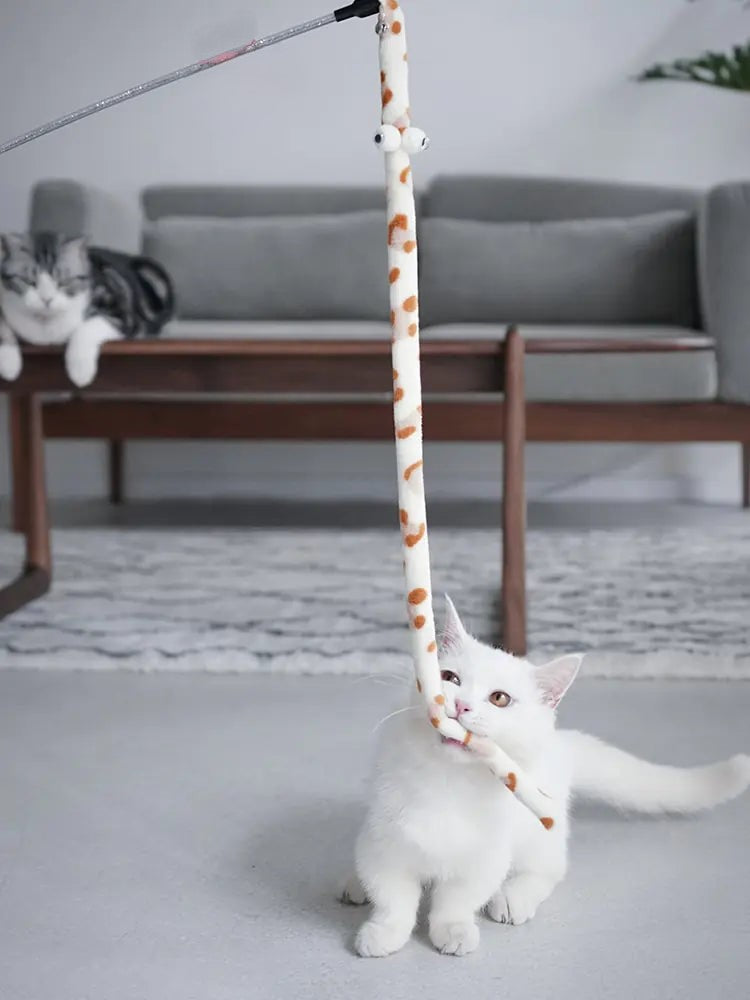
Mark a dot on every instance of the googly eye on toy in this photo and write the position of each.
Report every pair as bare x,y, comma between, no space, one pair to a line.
414,141
388,138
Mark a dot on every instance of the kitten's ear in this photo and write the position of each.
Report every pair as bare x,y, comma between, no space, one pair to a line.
74,252
12,243
554,678
453,633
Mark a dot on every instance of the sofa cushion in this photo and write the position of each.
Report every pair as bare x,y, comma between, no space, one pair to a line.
688,376
681,376
201,329
633,270
283,268
524,198
230,201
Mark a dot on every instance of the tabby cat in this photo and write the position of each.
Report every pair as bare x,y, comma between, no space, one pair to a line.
56,289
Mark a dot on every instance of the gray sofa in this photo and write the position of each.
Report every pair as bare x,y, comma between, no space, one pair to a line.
559,258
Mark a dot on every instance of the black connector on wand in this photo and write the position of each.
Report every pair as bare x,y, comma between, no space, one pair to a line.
360,8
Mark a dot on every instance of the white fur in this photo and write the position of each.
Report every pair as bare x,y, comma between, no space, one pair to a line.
437,816
46,315
82,352
10,353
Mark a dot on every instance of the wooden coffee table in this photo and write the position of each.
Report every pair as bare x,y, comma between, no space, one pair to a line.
111,409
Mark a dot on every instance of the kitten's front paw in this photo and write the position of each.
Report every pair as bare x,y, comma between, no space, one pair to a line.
378,940
81,367
10,362
455,938
353,893
519,900
498,910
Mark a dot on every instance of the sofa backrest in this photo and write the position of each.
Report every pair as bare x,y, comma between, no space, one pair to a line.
548,199
243,201
271,253
550,250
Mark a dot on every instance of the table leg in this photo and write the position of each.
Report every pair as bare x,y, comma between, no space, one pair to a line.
36,576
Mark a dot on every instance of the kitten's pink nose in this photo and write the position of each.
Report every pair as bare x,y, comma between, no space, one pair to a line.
461,707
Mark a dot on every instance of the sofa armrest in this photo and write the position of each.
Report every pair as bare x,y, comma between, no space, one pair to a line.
75,209
724,270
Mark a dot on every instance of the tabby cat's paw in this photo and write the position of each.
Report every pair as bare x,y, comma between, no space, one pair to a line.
10,361
458,938
378,940
81,367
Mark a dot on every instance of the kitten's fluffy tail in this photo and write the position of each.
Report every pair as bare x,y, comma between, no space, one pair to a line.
603,772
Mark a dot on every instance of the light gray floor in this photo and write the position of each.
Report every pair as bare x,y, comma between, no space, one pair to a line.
179,838
550,515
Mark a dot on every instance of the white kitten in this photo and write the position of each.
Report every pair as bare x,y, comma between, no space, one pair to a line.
438,817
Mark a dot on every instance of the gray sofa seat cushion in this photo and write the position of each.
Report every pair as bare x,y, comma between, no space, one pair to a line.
285,268
207,329
685,376
634,270
627,378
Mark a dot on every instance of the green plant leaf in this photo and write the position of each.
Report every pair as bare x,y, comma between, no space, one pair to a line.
730,70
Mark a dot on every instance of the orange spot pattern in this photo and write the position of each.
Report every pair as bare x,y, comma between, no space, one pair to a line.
435,722
396,28
394,275
410,304
412,468
399,221
440,699
410,246
467,739
419,622
406,432
387,96
398,395
412,540
548,822
418,596
511,781
432,648
404,175
413,329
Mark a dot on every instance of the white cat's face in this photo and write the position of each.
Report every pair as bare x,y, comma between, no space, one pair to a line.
497,695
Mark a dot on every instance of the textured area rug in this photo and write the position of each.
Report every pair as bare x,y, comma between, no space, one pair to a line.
645,603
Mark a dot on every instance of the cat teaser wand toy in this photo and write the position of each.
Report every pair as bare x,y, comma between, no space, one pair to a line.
399,140
360,8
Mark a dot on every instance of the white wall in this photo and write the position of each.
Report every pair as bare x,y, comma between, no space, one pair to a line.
540,86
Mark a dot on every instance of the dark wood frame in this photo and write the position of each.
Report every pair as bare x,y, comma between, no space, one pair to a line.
173,367
216,367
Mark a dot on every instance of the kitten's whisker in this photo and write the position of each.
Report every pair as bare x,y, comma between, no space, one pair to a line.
400,678
399,711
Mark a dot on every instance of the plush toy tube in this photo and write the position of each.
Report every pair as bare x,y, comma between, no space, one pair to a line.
399,140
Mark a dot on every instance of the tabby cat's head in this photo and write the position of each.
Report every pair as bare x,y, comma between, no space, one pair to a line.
45,277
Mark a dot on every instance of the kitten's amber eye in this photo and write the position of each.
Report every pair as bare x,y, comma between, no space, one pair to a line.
450,678
500,699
